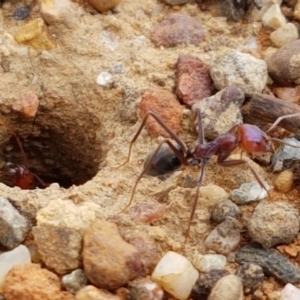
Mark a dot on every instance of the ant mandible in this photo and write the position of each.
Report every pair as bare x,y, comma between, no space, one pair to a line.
20,174
169,156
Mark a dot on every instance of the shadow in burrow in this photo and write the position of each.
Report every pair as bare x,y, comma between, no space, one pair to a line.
63,144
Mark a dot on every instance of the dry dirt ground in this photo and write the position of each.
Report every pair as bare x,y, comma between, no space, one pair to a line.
82,131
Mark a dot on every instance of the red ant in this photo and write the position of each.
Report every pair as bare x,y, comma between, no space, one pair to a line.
169,156
20,174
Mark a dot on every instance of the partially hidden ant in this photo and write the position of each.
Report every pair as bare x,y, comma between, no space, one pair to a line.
20,175
169,156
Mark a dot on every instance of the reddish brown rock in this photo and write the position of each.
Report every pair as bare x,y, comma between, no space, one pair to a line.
30,281
284,64
193,80
109,262
150,254
177,29
92,293
27,104
166,106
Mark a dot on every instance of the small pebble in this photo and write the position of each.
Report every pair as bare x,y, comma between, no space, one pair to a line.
177,29
193,80
118,68
284,181
35,34
109,40
19,255
221,111
109,262
290,292
272,262
74,281
206,282
21,13
145,289
284,65
103,78
52,244
258,294
145,245
285,34
273,223
233,68
291,250
27,104
212,194
166,106
92,293
286,156
225,237
227,288
176,275
13,226
56,12
249,192
273,17
209,262
252,276
30,281
224,209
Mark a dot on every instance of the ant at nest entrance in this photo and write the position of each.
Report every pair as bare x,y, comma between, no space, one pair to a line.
36,153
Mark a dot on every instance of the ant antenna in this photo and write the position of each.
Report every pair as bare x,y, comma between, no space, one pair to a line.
13,132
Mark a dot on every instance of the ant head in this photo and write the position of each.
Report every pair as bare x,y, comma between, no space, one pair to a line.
26,181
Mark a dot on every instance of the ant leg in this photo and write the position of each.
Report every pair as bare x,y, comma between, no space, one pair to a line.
284,143
5,124
237,162
178,154
199,183
200,129
43,184
278,120
172,134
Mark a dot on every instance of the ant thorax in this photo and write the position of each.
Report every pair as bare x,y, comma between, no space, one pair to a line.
203,152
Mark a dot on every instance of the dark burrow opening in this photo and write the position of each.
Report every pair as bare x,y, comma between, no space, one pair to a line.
60,146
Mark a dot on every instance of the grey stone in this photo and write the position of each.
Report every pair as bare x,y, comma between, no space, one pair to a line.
13,226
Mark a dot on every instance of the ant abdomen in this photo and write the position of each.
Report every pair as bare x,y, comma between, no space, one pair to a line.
164,162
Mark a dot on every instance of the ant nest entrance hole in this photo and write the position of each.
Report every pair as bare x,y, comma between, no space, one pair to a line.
63,145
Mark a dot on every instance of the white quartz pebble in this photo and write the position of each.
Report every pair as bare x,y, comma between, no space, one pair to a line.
18,256
285,34
176,275
273,17
103,78
290,292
